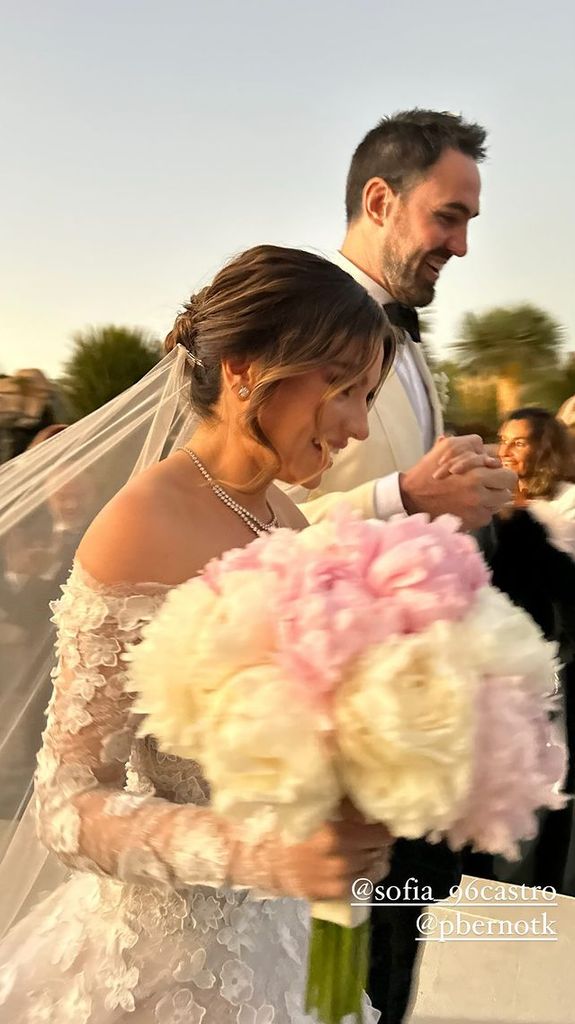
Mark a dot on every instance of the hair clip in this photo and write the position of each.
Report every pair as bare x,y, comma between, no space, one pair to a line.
193,358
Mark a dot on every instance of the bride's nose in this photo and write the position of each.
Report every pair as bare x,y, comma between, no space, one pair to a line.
358,425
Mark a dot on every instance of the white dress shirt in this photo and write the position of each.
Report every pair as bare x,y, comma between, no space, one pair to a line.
387,494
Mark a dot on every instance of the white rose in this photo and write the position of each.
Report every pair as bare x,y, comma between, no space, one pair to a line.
404,728
196,642
503,640
264,749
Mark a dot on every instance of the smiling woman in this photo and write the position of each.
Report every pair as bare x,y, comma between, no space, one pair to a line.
324,408
284,352
535,445
304,348
530,548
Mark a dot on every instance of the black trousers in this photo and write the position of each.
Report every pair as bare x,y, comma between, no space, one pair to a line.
394,945
392,962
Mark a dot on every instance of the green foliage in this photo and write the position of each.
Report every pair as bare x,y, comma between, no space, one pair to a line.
551,390
506,357
509,341
106,361
469,412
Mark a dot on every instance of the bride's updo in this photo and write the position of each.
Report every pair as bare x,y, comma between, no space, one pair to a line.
185,328
288,310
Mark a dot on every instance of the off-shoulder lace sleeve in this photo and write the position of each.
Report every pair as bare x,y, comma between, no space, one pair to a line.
83,812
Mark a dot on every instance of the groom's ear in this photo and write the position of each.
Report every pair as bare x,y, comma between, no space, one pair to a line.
377,200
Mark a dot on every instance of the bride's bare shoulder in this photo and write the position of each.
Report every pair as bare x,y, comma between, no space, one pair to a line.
141,534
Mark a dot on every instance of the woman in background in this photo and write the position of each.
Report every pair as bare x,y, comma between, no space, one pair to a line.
530,548
566,415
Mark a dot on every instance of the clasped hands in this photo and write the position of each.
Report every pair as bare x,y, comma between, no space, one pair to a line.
460,476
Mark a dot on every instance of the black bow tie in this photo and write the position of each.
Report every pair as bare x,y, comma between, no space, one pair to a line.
404,316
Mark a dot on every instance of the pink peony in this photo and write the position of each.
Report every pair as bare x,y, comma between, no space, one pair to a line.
350,583
516,768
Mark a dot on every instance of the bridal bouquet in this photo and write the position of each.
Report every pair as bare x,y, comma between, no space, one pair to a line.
364,660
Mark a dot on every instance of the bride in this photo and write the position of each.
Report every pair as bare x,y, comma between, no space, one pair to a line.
163,920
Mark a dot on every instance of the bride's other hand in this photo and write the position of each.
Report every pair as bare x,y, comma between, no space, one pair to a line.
323,866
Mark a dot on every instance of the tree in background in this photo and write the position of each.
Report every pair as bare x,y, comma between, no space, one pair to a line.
555,388
104,362
471,406
509,346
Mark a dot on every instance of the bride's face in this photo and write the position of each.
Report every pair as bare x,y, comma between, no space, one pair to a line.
290,420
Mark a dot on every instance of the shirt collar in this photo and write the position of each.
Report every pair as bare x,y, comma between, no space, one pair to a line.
372,287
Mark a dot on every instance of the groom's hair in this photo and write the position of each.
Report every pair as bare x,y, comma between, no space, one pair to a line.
403,147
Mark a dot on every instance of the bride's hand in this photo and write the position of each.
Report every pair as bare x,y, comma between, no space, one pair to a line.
324,866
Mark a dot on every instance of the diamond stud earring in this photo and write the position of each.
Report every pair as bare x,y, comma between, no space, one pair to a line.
243,392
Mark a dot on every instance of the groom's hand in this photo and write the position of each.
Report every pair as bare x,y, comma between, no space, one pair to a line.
458,476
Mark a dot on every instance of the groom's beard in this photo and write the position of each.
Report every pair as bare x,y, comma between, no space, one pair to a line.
405,275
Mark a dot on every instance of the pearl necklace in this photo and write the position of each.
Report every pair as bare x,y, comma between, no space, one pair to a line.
244,514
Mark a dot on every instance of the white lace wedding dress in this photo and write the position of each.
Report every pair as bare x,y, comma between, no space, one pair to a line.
144,930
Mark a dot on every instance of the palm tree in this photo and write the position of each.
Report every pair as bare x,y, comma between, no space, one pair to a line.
509,344
555,388
105,361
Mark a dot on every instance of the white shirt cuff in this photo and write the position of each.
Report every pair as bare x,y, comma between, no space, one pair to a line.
387,497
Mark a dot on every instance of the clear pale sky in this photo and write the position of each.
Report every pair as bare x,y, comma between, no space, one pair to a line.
143,142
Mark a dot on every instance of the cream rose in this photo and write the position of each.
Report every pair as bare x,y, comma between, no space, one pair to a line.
404,730
266,749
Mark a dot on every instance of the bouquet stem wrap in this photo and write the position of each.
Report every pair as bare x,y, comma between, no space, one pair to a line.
338,961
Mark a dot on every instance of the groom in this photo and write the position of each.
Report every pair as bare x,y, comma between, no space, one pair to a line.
412,188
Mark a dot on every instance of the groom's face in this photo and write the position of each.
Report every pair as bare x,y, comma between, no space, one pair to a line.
427,225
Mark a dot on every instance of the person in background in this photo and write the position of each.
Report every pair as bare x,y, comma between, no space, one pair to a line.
530,547
46,433
27,406
535,445
35,559
566,415
26,588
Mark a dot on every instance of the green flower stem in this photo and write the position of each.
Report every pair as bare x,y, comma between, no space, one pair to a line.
329,966
345,979
337,971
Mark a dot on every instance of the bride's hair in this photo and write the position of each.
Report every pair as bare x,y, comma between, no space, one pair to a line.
288,310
